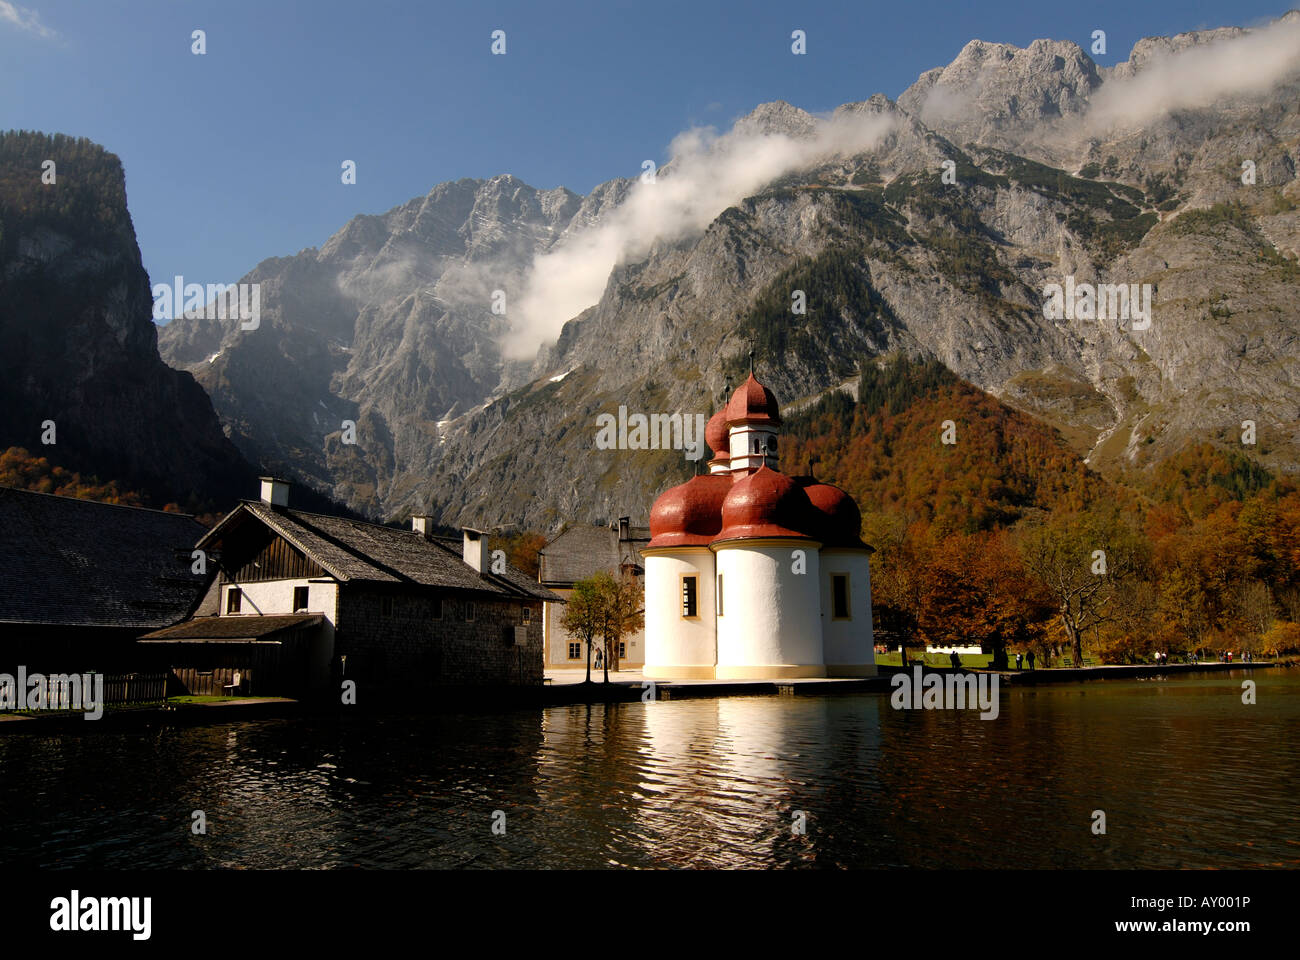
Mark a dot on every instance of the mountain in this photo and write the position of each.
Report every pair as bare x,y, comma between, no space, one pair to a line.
1063,169
78,346
388,325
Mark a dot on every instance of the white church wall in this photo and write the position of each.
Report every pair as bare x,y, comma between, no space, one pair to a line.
849,644
771,622
676,646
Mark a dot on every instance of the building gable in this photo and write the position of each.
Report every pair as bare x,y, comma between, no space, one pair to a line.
257,553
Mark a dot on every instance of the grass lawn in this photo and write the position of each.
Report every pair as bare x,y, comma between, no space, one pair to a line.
975,661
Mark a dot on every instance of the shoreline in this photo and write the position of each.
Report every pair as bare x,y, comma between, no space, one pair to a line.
629,690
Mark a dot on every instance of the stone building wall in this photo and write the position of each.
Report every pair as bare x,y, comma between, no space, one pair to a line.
406,647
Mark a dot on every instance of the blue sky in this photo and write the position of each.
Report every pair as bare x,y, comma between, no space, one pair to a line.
235,156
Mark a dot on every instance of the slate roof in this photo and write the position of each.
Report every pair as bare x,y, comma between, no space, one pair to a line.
353,550
232,629
581,551
69,562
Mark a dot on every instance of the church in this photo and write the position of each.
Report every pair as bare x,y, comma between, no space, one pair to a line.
752,574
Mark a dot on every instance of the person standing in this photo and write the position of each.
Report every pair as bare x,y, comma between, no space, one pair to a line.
1019,658
1030,658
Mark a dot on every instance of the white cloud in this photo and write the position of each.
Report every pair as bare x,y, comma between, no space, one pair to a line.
1198,76
24,19
708,174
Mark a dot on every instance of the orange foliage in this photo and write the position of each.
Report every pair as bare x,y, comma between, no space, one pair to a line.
20,469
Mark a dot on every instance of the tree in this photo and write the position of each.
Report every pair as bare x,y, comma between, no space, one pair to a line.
1254,612
623,613
897,582
1282,637
1085,561
607,607
522,551
584,614
977,591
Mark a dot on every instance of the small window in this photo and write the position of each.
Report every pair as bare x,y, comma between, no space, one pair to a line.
528,614
622,649
690,592
469,611
840,596
386,606
575,651
234,599
436,614
299,599
719,594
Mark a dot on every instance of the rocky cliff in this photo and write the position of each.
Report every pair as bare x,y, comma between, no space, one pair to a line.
78,347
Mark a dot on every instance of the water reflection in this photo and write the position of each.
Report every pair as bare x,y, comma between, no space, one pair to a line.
1187,774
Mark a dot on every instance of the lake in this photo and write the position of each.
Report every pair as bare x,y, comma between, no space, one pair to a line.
1187,775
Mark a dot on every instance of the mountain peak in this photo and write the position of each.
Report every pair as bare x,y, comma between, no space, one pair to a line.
777,117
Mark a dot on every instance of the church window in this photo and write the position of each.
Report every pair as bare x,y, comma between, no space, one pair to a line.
840,597
690,594
719,594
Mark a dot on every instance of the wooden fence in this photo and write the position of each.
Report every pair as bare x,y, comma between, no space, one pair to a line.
135,688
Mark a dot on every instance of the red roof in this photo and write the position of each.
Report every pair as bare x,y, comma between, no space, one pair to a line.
717,436
752,403
690,514
840,519
766,504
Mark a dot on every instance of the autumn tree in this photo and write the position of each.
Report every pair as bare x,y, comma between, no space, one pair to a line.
977,591
623,613
897,580
1085,561
584,614
523,551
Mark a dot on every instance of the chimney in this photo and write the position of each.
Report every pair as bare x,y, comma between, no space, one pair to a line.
624,528
275,492
472,548
423,525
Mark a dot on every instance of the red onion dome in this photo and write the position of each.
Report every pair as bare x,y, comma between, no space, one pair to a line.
841,521
766,504
718,437
690,514
752,403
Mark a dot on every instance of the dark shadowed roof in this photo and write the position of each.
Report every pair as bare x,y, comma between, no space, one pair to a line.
79,563
233,628
353,550
581,551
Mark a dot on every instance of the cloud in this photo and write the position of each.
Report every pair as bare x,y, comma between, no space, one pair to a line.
708,173
24,19
1250,64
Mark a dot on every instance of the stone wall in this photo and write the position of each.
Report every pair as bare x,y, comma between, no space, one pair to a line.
406,647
